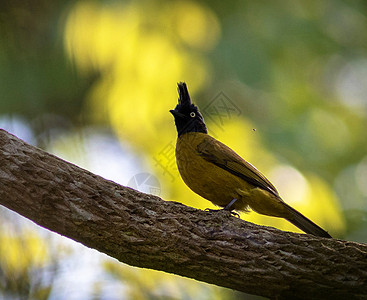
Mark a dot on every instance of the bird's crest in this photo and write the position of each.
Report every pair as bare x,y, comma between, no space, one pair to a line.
184,97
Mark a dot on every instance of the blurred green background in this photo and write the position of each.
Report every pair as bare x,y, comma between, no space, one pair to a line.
283,83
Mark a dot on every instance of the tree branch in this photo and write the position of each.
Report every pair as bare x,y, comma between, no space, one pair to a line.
145,231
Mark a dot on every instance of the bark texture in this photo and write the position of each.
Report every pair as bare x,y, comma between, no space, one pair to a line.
145,231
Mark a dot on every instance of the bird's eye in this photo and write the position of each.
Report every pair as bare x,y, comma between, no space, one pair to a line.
192,114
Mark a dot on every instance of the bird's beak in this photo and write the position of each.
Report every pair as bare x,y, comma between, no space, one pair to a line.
175,113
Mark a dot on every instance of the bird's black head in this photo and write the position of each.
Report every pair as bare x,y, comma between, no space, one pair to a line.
187,115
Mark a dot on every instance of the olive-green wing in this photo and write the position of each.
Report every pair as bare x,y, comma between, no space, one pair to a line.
224,157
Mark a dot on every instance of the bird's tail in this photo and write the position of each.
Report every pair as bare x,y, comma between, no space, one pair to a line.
305,224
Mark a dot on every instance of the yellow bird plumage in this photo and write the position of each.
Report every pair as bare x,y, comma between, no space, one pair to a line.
218,174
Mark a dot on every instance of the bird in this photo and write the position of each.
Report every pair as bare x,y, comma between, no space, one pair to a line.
217,173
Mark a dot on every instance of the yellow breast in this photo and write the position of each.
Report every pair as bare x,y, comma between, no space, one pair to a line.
205,178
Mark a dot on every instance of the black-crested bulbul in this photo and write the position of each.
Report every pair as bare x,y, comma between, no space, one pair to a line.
218,174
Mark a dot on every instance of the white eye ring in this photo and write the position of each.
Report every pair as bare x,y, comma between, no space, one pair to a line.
192,114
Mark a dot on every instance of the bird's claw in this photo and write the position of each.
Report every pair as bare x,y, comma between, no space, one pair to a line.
232,213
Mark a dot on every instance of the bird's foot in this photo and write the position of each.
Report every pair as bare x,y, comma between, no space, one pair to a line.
228,208
223,210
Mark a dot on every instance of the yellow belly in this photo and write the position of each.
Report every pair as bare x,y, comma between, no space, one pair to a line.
205,178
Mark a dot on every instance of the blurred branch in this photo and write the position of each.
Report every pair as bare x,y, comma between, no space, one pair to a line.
145,231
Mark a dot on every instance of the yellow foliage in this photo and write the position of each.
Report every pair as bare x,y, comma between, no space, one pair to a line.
149,284
141,51
20,252
196,25
324,206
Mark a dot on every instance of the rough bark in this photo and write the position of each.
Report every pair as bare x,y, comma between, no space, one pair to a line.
145,231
